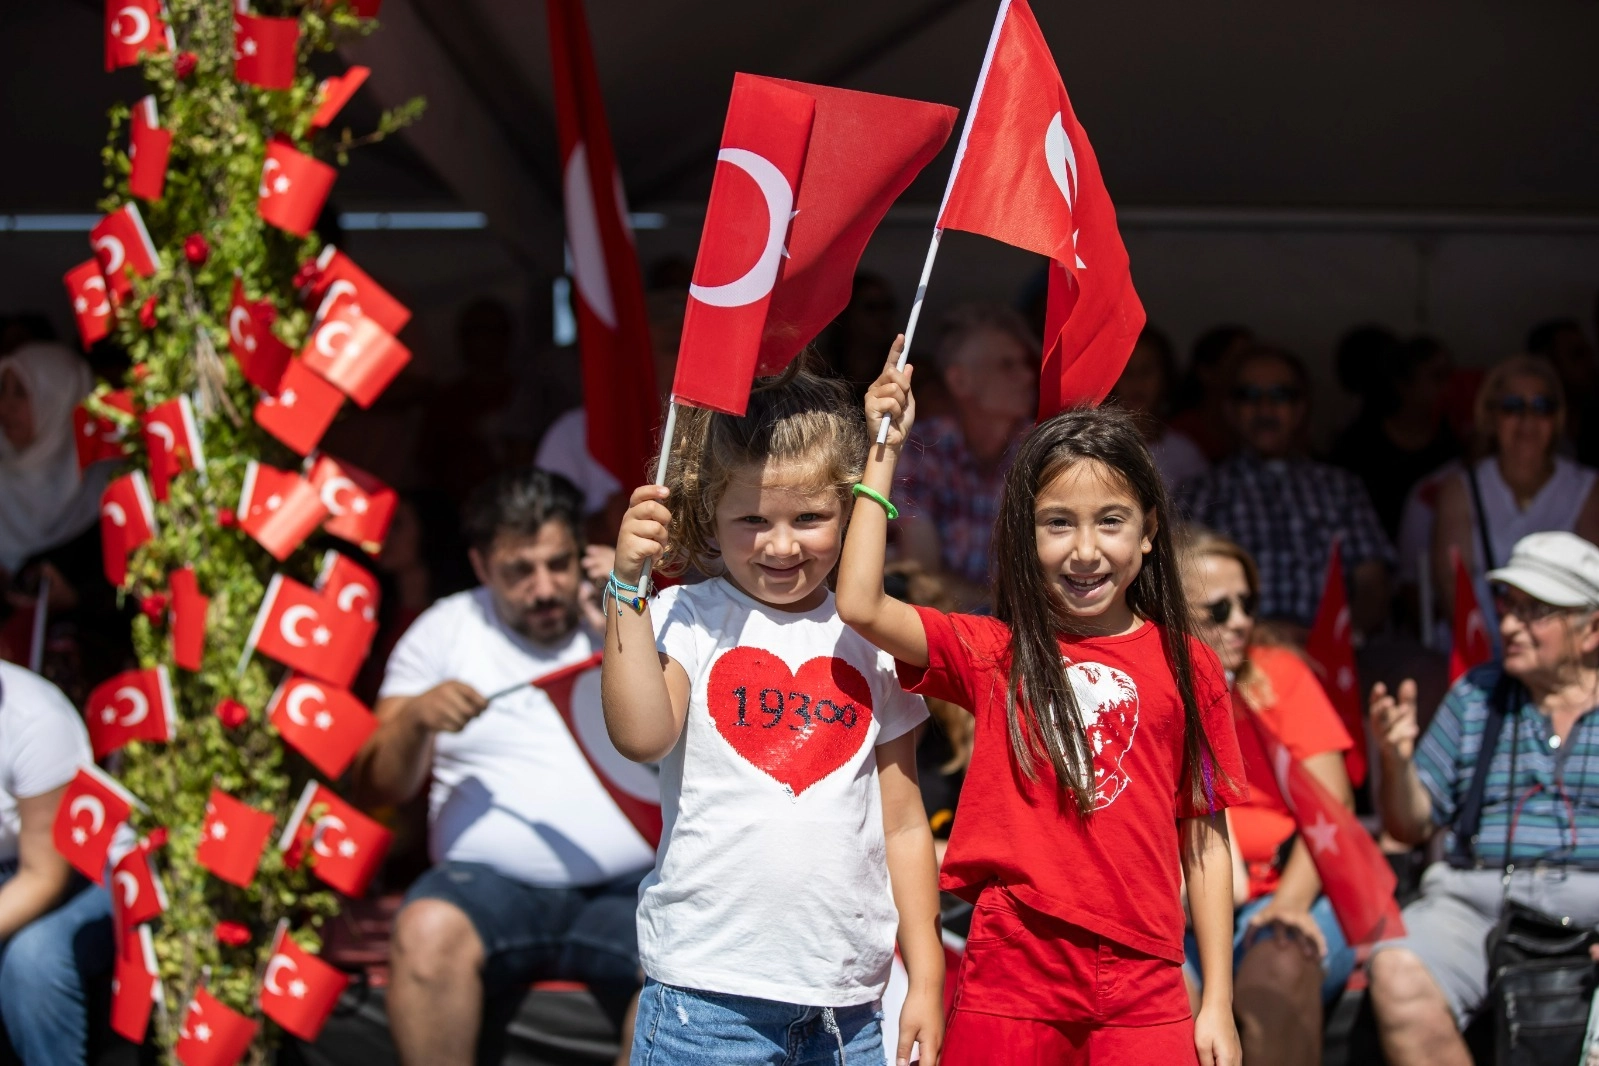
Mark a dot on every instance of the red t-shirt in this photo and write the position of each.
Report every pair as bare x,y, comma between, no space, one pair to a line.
1302,717
1116,872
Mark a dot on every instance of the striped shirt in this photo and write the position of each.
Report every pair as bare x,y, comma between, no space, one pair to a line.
1557,788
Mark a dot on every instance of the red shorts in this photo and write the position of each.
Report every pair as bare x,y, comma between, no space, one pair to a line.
1035,990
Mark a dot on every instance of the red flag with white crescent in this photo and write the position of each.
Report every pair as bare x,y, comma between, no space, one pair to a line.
322,722
300,409
262,358
149,148
279,508
127,521
336,275
333,93
132,28
302,629
91,302
93,808
344,846
232,838
137,895
101,436
1472,645
353,592
213,1034
264,50
132,705
1331,651
294,186
352,351
135,984
299,990
360,507
172,437
122,243
189,608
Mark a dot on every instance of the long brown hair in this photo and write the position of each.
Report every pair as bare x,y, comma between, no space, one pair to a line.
1195,543
1025,598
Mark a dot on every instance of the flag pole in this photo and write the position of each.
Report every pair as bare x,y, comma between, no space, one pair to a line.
41,612
938,232
660,479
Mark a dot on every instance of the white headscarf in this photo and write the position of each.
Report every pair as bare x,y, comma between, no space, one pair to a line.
44,500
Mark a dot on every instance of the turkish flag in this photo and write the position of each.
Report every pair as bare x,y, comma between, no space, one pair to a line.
294,186
635,789
93,808
135,984
262,358
122,243
149,148
101,436
172,437
137,895
279,508
127,520
91,302
264,51
353,591
337,275
302,630
360,507
325,724
333,93
132,28
189,608
764,141
301,409
1332,655
212,1033
1471,645
1355,874
346,847
1025,174
132,705
352,351
231,838
299,990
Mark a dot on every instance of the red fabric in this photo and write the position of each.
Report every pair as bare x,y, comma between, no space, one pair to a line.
92,808
91,307
294,186
301,409
360,506
262,358
127,520
100,437
619,388
333,93
122,243
1471,645
213,1034
1026,175
1114,873
134,984
354,352
299,990
1308,725
344,846
232,838
264,50
149,147
279,508
132,28
309,632
172,437
352,590
1332,654
325,724
337,275
189,608
136,892
132,705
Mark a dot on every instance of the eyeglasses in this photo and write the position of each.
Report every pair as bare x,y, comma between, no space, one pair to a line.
1281,395
1539,406
1510,603
1220,612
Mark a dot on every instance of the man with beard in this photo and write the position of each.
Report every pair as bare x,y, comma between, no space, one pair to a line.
536,870
1286,509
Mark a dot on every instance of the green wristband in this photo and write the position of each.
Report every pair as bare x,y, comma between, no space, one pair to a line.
873,494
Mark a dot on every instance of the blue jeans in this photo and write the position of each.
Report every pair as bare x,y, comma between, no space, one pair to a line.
685,1027
1336,967
44,974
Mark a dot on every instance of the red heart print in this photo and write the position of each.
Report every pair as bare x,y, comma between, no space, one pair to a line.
795,727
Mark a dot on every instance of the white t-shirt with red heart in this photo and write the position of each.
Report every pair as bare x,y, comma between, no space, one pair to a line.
772,876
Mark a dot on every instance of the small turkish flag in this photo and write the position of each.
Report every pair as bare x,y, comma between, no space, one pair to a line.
232,838
172,437
101,436
127,520
333,93
1471,645
149,148
352,351
325,724
264,50
351,589
346,847
294,186
279,508
359,505
301,410
1332,654
135,984
299,990
91,302
121,243
301,629
132,705
93,808
189,610
213,1034
337,275
132,28
262,358
137,895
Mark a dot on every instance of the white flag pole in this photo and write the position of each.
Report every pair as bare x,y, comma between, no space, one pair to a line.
660,476
938,233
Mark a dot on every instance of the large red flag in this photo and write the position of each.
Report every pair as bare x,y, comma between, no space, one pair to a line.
1332,653
1355,875
299,990
619,389
1025,174
1471,645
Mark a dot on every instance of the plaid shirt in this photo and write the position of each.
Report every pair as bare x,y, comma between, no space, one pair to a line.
1285,513
940,480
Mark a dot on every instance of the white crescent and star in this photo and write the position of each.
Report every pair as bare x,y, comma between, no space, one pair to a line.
163,432
1061,159
93,284
330,496
583,237
141,24
324,340
138,705
278,964
96,811
294,703
319,835
116,254
279,184
115,512
130,888
342,287
237,320
350,594
289,624
760,278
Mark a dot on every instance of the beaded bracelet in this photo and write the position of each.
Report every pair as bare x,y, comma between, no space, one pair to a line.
615,588
878,497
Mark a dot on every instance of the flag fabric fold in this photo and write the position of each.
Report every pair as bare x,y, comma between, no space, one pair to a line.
1472,645
1331,651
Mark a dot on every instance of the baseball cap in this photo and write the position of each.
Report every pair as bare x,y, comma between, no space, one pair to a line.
1560,569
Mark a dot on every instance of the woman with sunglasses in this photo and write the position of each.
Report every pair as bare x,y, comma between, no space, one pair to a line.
1289,955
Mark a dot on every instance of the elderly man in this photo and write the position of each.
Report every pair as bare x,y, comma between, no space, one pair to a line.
1525,829
537,869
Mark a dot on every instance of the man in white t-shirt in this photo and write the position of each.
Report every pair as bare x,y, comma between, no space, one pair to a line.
55,932
536,868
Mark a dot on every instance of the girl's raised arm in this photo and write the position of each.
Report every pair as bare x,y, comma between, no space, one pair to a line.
862,604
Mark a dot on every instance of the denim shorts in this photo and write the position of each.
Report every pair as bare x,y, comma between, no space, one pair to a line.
1336,967
686,1027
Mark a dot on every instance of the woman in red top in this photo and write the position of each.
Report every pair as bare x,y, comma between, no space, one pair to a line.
1103,757
1289,951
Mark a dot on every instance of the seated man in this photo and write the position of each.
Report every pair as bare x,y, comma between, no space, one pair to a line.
1535,836
536,869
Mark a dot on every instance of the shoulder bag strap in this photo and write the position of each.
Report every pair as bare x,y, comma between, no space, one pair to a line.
1488,562
1502,702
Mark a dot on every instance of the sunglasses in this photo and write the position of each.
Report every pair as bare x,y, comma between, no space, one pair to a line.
1540,406
1220,612
1276,394
1524,607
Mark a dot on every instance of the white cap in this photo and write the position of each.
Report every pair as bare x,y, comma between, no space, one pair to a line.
1561,569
